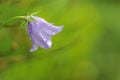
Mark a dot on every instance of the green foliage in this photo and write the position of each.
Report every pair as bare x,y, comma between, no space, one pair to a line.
86,49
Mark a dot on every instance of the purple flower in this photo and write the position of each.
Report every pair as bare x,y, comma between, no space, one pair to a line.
40,32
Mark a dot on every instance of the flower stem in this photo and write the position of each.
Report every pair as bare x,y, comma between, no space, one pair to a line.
11,20
28,18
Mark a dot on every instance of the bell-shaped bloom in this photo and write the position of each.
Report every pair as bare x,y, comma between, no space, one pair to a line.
40,32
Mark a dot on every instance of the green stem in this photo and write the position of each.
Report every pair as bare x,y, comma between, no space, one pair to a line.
26,18
35,13
11,20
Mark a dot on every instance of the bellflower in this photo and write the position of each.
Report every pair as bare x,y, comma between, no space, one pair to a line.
40,32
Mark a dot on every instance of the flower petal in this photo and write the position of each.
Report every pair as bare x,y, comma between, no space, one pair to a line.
30,32
41,41
45,26
40,32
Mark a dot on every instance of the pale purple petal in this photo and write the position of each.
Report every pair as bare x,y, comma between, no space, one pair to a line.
30,32
40,33
45,26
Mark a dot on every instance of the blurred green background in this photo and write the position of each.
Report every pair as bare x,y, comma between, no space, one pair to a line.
88,48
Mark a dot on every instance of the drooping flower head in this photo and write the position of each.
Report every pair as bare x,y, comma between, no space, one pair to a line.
40,32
